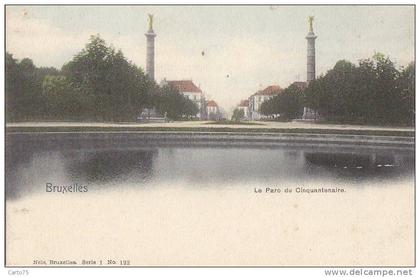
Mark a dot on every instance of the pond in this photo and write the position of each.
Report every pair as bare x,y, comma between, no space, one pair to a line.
149,203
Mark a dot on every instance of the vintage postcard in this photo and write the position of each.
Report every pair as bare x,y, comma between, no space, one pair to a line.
209,135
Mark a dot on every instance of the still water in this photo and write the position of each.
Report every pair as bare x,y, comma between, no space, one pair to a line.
198,205
30,166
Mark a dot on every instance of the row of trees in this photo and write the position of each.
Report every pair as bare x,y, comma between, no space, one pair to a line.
288,104
169,101
98,84
372,92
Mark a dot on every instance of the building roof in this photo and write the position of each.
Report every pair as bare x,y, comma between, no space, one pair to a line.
185,86
301,85
270,90
211,103
244,103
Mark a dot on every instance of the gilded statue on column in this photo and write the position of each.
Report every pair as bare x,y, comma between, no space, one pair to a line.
311,25
150,22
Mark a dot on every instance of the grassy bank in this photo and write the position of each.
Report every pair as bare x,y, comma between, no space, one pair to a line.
230,122
34,129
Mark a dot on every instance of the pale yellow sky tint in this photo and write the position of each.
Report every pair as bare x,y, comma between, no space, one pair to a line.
255,45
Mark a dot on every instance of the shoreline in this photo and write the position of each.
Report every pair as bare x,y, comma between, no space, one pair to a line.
205,127
133,139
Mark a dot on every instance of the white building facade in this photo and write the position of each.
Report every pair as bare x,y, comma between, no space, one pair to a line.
260,97
192,92
244,106
213,112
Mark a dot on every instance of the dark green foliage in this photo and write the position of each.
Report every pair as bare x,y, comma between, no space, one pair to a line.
374,92
24,88
119,89
172,103
287,105
406,88
61,100
238,114
98,84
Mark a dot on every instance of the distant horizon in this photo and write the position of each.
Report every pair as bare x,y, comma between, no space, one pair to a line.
242,52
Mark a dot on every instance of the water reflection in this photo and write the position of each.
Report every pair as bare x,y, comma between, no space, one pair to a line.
112,165
29,166
375,164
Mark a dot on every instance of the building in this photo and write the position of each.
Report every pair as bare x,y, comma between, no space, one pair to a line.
192,92
213,112
150,50
223,114
259,97
244,106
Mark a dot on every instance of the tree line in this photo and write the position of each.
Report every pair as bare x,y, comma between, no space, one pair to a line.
372,92
98,84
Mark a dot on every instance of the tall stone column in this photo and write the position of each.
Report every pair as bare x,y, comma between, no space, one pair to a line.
310,57
150,54
309,114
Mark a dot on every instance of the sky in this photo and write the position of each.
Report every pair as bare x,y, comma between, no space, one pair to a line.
246,48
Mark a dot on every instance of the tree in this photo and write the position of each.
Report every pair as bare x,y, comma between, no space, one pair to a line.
370,93
406,88
329,94
23,89
97,84
119,88
61,100
14,93
171,102
238,114
288,104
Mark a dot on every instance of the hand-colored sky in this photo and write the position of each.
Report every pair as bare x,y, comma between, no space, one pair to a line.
255,45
